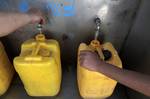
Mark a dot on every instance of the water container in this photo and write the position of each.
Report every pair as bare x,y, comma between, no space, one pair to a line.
94,85
6,71
39,66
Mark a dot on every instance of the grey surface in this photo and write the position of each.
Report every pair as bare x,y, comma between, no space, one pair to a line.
116,16
136,52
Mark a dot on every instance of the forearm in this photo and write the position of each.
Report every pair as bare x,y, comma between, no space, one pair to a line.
133,80
11,21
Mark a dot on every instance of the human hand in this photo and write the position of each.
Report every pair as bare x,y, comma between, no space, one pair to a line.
89,60
36,16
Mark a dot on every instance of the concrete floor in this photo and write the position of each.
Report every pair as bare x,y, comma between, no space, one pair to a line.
69,88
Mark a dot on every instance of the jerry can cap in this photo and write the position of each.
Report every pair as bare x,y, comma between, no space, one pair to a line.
95,43
40,37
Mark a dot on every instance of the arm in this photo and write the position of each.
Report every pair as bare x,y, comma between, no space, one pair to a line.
131,79
9,22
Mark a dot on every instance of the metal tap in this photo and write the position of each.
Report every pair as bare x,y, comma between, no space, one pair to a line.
40,26
98,23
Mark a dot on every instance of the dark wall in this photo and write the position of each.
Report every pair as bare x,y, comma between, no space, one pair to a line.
136,51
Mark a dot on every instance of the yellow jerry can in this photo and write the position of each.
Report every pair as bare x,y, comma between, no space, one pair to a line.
93,85
6,70
39,66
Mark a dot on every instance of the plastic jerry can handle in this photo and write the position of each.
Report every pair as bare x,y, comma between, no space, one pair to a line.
39,38
36,50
